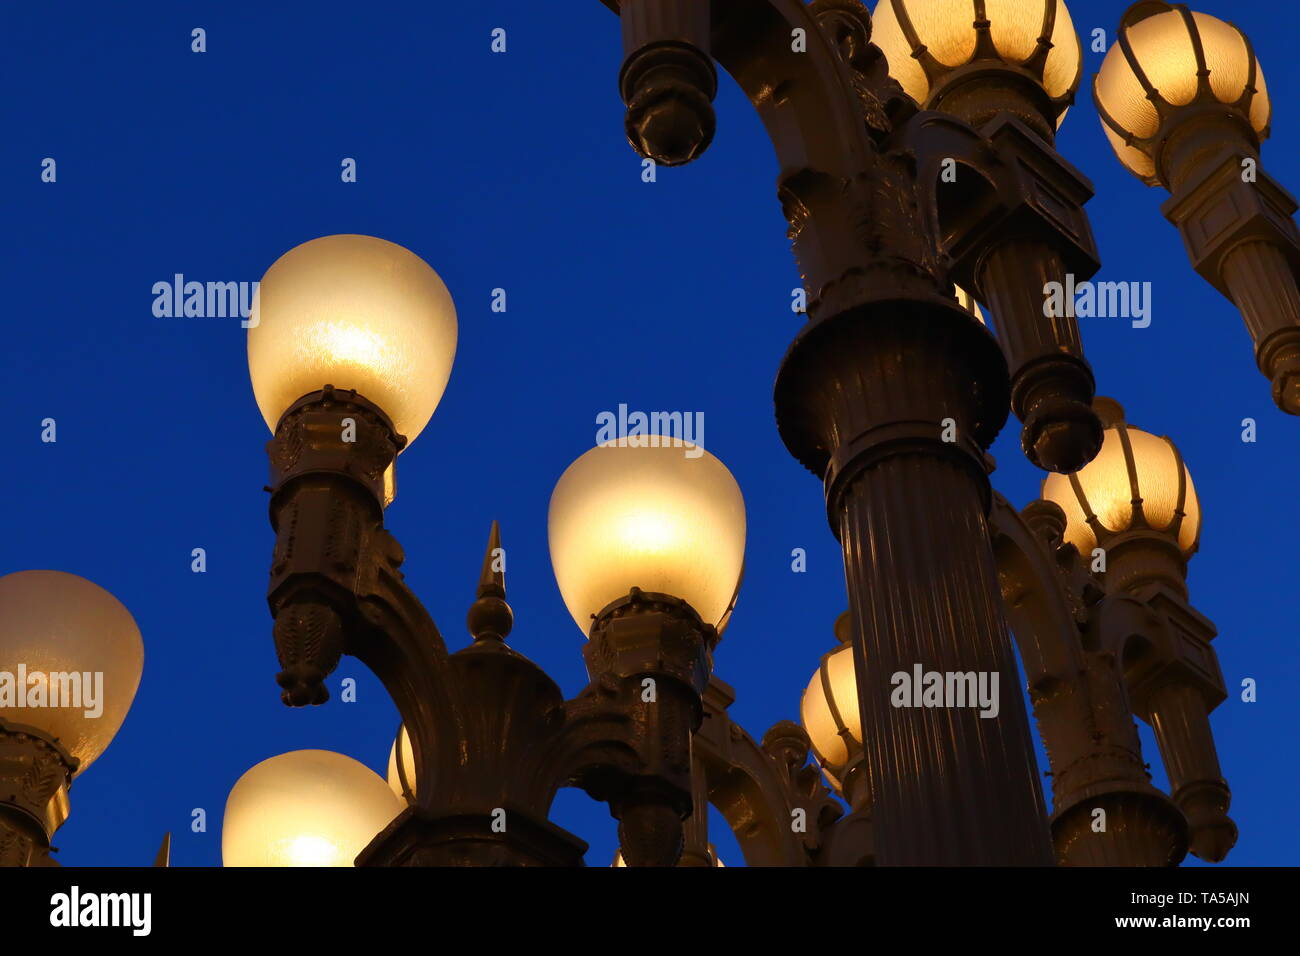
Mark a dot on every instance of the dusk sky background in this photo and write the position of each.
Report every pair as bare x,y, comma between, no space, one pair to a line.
505,170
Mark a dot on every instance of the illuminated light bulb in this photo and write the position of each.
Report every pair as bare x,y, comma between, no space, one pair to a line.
53,623
357,313
305,808
667,519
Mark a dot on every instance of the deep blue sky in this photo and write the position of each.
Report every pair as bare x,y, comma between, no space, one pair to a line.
501,170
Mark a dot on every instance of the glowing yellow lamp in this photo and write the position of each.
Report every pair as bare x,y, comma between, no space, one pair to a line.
829,712
667,519
354,312
1133,465
305,808
944,33
70,659
1164,40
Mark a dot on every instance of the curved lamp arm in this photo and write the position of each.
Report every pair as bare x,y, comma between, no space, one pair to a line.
772,799
335,582
1056,610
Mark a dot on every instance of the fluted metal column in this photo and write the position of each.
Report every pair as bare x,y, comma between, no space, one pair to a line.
1052,386
949,786
1181,721
901,395
1267,293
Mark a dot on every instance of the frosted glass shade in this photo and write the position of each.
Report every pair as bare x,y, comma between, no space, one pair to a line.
354,312
75,643
1106,487
401,751
1164,51
305,808
667,519
829,711
946,28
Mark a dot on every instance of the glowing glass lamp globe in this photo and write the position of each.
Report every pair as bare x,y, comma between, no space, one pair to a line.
666,519
934,45
305,808
60,630
358,313
1133,466
829,710
1152,79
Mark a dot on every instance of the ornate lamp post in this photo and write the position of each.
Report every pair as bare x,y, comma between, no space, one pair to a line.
911,167
891,394
886,362
1183,101
1136,508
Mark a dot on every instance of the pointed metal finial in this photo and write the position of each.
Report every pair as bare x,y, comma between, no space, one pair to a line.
490,617
164,857
492,580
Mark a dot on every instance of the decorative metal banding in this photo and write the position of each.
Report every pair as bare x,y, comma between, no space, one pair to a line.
920,52
1130,462
985,48
1038,59
407,793
1089,516
841,728
1248,95
1154,95
1180,507
1198,50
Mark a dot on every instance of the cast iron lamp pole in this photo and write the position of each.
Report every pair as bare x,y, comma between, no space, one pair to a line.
492,738
1105,633
888,366
1137,506
489,734
892,394
887,361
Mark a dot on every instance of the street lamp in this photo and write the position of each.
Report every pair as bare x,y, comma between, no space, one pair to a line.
1135,501
1135,507
651,513
357,311
645,541
975,57
1183,101
891,395
70,664
829,712
918,175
